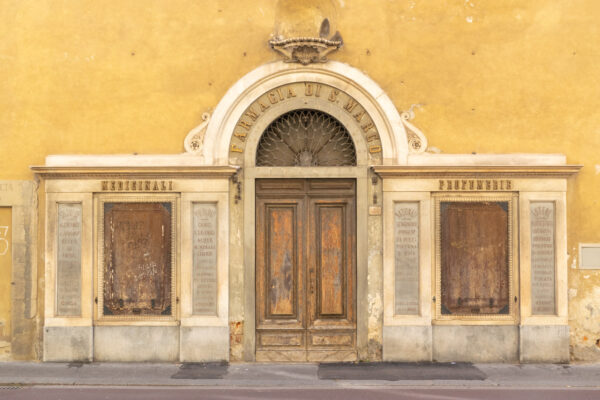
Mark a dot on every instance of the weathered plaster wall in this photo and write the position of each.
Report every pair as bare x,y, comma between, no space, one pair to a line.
514,76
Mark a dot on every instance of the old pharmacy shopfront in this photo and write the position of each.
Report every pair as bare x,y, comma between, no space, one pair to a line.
306,222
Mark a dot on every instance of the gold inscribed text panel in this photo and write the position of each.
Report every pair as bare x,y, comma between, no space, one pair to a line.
68,260
406,258
543,299
204,234
137,259
474,258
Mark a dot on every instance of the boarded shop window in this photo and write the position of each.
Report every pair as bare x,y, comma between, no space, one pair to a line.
474,257
137,273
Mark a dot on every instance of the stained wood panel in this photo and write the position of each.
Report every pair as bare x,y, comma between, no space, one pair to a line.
474,257
331,260
137,259
281,293
305,270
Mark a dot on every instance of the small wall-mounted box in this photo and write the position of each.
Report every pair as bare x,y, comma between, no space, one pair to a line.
589,255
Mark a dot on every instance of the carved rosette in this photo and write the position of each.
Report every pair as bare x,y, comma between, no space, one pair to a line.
305,50
195,139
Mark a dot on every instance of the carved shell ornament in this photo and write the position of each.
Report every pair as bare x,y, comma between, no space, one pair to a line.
195,139
417,142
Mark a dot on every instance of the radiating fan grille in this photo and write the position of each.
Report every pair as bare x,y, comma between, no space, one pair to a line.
305,138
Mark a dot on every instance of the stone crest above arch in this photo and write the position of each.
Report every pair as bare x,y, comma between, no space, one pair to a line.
334,76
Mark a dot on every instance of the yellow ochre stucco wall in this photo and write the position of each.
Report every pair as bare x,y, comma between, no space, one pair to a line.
102,77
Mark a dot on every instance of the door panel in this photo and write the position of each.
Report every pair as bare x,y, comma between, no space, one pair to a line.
279,279
305,270
281,293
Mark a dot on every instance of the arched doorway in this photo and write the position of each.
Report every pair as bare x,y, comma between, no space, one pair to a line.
232,138
305,243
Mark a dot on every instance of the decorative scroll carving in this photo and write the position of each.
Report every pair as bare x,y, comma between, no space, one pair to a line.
68,260
543,297
195,139
417,142
306,138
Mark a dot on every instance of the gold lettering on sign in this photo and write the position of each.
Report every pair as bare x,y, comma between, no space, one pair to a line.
262,107
374,149
497,185
350,105
245,125
136,186
240,135
279,94
359,115
252,114
308,89
236,149
333,94
367,126
272,98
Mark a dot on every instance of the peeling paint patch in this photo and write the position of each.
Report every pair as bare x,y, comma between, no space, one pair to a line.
586,277
572,293
597,169
469,19
574,263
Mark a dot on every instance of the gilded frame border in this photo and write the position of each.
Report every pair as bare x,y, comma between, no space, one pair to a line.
99,297
512,200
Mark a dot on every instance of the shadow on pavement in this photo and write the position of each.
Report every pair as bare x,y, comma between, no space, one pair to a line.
389,371
201,371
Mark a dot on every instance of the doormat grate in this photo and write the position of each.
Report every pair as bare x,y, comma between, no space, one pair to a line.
215,370
395,371
10,387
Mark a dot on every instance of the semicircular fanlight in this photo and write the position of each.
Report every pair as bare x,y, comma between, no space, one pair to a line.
305,138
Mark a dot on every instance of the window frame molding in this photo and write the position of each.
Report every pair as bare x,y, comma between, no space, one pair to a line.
99,317
513,259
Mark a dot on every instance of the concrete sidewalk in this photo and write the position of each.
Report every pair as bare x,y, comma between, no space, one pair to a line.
302,375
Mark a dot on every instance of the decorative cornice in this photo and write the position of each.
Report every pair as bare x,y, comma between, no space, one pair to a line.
174,172
550,171
305,50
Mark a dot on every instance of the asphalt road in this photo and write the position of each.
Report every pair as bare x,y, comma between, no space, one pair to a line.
370,393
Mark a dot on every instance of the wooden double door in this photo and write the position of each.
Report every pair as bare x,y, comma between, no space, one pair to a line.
306,270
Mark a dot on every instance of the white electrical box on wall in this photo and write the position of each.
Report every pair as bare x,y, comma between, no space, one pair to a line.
589,255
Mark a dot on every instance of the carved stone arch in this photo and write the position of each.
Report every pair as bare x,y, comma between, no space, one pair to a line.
220,133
